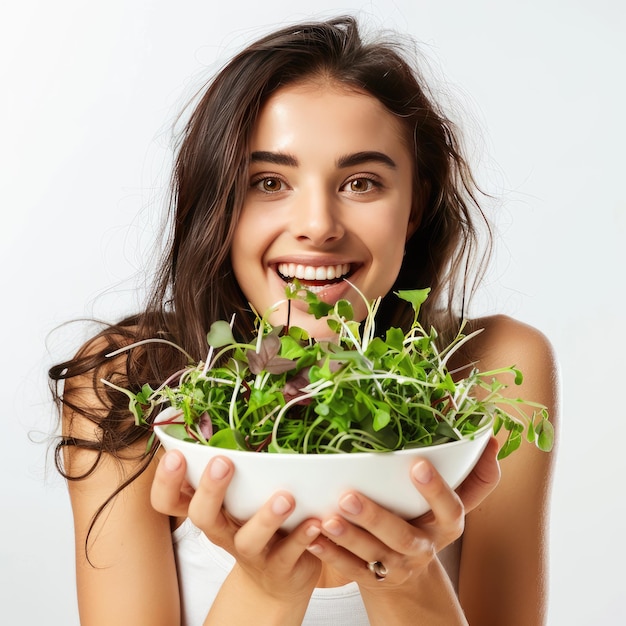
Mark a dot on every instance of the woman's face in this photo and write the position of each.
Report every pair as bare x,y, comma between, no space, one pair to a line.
329,198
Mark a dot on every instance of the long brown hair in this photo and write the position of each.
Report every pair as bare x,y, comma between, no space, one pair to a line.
195,284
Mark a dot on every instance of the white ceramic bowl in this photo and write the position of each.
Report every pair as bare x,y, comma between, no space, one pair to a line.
317,481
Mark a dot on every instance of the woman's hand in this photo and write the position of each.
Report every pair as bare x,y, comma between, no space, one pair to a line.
367,533
278,565
280,571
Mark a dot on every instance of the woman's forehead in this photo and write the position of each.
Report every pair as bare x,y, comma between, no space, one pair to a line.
327,114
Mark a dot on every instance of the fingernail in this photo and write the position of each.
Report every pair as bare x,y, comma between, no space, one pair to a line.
350,504
219,469
281,505
312,531
422,472
315,548
171,461
333,527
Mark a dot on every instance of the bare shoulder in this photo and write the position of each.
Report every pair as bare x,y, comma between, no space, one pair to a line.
87,403
505,341
494,564
123,546
101,450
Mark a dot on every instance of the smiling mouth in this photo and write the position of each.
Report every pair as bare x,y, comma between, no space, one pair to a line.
314,275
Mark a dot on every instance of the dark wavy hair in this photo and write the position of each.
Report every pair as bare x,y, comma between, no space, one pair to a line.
195,285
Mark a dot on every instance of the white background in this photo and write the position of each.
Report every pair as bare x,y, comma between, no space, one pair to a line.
89,92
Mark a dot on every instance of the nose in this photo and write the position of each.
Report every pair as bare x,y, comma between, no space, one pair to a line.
316,218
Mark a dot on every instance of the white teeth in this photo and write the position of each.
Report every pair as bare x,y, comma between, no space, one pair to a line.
310,272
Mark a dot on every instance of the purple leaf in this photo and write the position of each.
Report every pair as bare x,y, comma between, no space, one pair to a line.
266,359
205,426
293,387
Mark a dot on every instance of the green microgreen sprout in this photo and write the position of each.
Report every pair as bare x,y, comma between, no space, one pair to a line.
287,393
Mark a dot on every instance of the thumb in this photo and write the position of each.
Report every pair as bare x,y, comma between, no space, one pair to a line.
483,479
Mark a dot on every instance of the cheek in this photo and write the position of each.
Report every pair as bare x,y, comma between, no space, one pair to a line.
390,240
245,243
236,257
388,255
241,260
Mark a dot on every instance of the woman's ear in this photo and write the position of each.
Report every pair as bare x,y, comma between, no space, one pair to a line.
420,196
415,219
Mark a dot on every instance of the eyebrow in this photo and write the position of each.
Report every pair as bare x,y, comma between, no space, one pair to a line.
348,160
277,158
368,156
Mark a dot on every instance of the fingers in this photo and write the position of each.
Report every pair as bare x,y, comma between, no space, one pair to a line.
446,518
253,538
258,543
279,563
442,525
483,479
206,506
261,534
170,493
366,532
264,524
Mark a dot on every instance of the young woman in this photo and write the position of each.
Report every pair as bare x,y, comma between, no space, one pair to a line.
313,155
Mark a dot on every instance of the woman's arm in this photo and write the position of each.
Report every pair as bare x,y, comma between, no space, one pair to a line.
416,588
504,562
275,571
125,566
274,575
127,575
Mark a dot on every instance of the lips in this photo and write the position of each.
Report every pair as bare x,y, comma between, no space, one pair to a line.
317,274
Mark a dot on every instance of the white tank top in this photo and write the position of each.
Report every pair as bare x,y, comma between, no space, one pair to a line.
202,568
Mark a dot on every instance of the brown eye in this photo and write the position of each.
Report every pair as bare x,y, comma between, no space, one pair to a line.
360,185
270,185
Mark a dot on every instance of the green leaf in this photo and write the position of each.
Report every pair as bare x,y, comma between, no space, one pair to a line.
343,308
260,398
143,397
531,434
381,419
334,325
324,372
354,327
445,430
274,448
340,407
416,297
290,348
341,423
298,334
545,439
376,348
322,409
349,355
511,444
176,430
448,383
316,306
220,334
229,439
394,338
